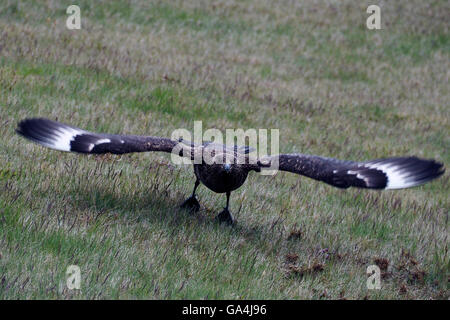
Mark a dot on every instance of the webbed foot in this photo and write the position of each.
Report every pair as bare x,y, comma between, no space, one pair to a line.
225,216
191,204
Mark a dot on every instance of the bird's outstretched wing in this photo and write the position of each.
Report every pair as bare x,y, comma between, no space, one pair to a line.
389,173
59,136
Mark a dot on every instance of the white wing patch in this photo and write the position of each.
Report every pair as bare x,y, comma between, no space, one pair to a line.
397,177
359,176
102,141
62,138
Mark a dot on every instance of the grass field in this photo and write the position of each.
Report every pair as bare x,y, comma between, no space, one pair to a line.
311,69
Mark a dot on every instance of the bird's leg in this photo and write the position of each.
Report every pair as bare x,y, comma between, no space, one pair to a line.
225,215
192,203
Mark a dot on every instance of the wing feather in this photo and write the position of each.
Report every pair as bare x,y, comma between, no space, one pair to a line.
388,173
59,136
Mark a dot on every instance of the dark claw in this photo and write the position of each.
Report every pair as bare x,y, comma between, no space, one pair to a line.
225,216
191,203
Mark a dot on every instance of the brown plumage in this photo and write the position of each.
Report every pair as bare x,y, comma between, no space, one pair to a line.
224,169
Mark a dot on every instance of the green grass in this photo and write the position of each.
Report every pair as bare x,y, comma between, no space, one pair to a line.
313,71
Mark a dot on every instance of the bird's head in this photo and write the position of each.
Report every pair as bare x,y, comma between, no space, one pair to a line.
227,167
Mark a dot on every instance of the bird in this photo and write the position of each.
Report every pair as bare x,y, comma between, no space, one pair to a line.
227,167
